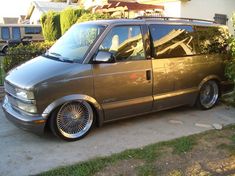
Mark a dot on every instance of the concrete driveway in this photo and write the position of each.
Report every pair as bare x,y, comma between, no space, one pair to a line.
23,153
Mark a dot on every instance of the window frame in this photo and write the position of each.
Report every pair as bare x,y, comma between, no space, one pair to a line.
126,25
151,40
9,33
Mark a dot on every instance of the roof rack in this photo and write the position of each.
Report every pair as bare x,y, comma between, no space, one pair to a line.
175,18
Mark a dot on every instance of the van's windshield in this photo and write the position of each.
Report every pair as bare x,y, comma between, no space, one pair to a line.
74,44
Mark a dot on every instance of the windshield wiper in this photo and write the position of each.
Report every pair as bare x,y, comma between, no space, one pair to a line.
55,54
59,57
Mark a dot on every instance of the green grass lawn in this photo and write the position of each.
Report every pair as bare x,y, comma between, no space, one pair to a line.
193,155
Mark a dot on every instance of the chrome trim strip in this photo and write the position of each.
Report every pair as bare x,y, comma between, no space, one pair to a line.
119,104
175,93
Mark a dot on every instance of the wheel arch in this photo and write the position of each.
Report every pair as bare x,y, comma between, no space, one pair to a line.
3,47
95,105
211,77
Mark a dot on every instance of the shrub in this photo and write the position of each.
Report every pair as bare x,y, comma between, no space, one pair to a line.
68,17
93,16
230,66
233,18
21,53
51,26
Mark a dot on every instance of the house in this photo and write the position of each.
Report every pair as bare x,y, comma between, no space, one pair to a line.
21,19
129,9
219,10
8,20
37,8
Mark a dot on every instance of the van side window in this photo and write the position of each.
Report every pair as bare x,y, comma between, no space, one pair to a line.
125,42
172,40
16,33
33,30
5,33
211,40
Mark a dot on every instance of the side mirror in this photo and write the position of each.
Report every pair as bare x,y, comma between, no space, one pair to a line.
104,57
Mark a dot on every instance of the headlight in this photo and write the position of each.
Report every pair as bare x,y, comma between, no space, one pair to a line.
24,94
26,107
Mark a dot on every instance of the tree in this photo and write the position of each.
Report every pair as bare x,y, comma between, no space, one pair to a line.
51,26
68,17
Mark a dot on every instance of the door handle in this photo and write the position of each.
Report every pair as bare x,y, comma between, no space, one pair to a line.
148,75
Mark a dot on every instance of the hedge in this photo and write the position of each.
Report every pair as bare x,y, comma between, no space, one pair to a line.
51,26
68,17
21,53
93,16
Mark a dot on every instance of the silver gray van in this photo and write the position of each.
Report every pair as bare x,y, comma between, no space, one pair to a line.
106,70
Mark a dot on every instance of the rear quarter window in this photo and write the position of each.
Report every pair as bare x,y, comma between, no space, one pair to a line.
211,40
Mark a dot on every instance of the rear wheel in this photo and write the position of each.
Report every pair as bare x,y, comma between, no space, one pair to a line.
208,95
72,121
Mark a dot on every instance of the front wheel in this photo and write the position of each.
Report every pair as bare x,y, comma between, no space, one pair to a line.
72,121
208,95
4,50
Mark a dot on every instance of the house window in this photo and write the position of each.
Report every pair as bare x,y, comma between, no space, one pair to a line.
5,33
33,30
221,19
16,33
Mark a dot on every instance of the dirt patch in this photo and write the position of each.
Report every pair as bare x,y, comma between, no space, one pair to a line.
124,167
206,158
211,153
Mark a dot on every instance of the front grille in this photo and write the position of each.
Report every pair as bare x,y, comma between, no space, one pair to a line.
11,100
9,88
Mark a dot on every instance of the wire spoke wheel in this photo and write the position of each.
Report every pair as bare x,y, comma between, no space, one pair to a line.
209,94
74,119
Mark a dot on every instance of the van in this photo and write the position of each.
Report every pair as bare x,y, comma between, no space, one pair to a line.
18,33
102,71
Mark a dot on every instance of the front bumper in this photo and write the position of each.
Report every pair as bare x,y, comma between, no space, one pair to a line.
35,124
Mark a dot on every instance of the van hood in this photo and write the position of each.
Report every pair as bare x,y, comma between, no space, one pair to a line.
39,70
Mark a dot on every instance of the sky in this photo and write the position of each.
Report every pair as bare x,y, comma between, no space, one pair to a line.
14,8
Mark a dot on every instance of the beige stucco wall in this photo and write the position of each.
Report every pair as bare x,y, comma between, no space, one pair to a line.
206,9
203,9
35,17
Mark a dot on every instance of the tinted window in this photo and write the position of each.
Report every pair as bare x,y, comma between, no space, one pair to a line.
172,40
211,39
33,30
5,33
16,33
125,42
